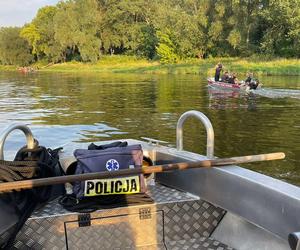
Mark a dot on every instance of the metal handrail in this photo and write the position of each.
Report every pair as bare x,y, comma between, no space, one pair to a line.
29,137
208,126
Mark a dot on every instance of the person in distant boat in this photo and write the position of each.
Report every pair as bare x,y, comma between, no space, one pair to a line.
225,77
253,84
251,81
219,68
233,79
249,78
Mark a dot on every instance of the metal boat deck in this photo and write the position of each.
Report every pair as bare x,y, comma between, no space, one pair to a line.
176,220
215,208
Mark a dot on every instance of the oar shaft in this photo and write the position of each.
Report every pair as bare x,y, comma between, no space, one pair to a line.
28,184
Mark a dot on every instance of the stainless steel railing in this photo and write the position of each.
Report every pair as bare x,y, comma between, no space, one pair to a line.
208,126
29,137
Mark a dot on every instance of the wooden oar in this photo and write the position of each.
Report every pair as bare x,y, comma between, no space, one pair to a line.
28,184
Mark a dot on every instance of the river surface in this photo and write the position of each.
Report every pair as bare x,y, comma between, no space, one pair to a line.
64,107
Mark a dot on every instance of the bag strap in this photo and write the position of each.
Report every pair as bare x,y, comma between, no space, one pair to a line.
88,205
119,144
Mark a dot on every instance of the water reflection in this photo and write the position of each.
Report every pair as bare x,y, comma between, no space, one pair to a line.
90,107
227,99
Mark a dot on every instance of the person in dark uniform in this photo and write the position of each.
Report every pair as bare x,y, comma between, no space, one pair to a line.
251,81
233,79
253,84
219,68
249,78
225,77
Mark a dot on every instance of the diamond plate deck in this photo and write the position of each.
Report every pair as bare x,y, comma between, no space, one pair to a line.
176,219
159,193
202,243
192,219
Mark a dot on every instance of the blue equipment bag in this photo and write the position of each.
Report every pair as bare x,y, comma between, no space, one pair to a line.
109,159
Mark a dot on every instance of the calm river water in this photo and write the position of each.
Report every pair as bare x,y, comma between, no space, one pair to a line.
63,107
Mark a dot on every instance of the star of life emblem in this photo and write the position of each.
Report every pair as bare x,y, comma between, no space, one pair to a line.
112,165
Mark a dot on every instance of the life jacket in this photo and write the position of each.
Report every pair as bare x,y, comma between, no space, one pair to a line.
253,84
248,80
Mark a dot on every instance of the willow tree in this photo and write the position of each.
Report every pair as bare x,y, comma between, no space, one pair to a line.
40,34
77,25
14,50
127,27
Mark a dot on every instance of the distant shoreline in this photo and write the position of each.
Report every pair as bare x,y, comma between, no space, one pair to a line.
128,64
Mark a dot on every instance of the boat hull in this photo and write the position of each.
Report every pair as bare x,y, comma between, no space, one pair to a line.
200,208
191,205
226,86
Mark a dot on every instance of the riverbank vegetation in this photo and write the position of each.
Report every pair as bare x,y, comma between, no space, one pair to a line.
131,64
177,34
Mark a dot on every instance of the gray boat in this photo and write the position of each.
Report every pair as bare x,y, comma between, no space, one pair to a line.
211,208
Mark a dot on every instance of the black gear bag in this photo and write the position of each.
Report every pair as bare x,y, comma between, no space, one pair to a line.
17,206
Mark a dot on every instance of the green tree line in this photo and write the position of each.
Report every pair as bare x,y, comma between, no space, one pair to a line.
168,30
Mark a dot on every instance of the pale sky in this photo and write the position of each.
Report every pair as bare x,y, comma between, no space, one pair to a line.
19,12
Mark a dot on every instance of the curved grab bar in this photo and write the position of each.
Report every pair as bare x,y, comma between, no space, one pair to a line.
209,131
29,137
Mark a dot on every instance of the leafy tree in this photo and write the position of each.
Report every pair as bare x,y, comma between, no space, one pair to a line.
166,49
147,42
234,38
186,21
165,29
127,26
282,34
31,34
224,29
40,34
14,50
77,24
244,35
